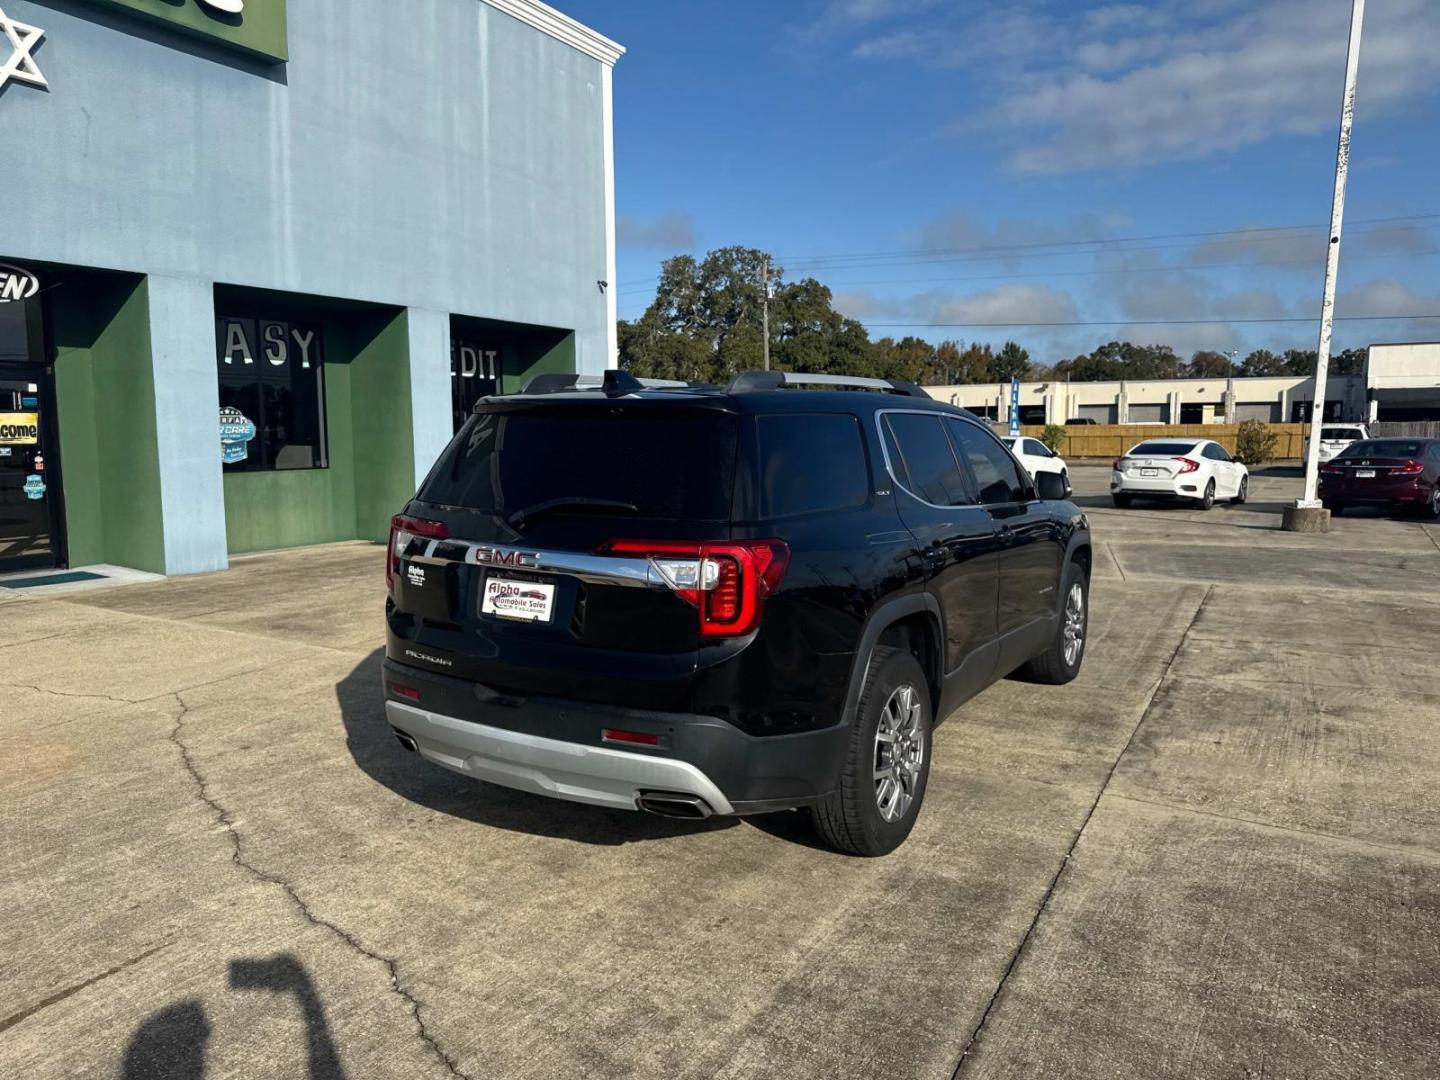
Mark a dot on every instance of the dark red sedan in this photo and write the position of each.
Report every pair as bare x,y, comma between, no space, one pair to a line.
1398,473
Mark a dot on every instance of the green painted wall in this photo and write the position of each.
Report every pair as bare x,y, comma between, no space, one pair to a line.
299,506
105,391
260,30
371,472
536,353
384,450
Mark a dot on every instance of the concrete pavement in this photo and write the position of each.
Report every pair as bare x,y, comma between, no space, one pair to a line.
1217,854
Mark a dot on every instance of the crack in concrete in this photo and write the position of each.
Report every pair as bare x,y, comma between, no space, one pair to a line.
237,856
70,991
1426,530
1116,561
1075,842
1409,851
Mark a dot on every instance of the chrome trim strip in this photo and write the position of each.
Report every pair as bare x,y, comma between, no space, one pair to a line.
631,572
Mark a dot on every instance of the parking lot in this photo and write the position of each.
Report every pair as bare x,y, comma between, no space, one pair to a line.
1216,854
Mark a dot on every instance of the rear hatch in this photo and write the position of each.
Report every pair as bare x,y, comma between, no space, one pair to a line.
525,560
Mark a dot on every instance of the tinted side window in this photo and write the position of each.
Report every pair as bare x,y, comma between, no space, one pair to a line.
923,460
1035,449
995,472
811,462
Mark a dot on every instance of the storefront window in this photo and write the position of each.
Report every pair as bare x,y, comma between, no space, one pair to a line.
272,395
474,373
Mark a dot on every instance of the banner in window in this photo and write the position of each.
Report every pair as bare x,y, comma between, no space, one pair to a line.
19,428
272,394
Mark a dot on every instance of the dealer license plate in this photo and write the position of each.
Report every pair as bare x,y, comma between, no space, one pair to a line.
1365,474
525,601
1149,472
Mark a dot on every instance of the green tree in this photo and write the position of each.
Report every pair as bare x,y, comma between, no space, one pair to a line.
1350,362
1262,362
706,324
1054,436
961,367
1209,364
1300,361
1012,361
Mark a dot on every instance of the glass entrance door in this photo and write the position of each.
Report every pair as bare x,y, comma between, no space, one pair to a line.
30,531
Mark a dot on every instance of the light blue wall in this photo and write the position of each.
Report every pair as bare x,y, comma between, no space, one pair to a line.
431,421
432,153
192,495
437,155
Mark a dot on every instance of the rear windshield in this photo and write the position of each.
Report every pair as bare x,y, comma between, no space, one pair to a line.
1337,433
1161,449
1406,448
666,463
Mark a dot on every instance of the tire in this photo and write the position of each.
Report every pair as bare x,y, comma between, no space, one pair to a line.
1430,511
1242,493
850,818
1122,501
1208,499
1060,662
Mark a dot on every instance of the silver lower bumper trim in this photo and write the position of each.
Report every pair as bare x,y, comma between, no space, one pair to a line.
563,770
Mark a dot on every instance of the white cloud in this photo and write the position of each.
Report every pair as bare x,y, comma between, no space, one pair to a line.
1129,85
1015,303
672,231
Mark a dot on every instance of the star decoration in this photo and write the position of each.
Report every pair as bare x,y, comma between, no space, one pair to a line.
21,65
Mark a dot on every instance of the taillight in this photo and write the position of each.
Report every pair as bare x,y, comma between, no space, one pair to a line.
1332,468
1186,465
1118,464
403,529
726,582
1407,468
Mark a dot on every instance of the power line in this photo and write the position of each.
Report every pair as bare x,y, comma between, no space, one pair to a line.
1045,274
827,261
1101,240
1141,322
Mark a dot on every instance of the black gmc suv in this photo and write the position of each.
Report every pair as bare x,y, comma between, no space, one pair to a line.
701,600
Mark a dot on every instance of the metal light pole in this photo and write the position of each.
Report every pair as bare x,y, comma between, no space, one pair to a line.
1309,517
765,306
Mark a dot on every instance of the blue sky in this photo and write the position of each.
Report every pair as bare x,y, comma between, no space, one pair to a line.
950,161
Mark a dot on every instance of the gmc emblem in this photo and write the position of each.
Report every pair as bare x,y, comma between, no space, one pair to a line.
499,557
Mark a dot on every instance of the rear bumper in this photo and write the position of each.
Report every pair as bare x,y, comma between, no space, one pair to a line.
589,774
1378,493
1172,487
552,746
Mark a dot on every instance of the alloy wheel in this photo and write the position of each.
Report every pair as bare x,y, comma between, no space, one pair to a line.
899,752
1074,625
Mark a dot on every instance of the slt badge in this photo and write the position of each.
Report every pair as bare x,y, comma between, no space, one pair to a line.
21,64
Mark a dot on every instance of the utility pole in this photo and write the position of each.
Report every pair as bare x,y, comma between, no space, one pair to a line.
765,305
1307,514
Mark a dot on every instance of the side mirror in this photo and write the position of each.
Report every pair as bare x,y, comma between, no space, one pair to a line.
1051,486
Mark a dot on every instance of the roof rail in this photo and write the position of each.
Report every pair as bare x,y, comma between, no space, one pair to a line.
614,383
749,382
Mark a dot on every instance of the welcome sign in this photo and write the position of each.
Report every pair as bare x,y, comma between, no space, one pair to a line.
257,27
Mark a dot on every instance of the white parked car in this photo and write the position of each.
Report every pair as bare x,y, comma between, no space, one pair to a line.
1192,469
1336,437
1036,456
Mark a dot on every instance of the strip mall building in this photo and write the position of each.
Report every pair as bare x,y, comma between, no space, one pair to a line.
254,266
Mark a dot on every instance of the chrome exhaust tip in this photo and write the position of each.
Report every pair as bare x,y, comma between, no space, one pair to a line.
674,805
406,741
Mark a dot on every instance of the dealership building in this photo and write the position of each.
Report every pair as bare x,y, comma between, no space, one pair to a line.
256,264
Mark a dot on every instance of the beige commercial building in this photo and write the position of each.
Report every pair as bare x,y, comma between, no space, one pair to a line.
1401,382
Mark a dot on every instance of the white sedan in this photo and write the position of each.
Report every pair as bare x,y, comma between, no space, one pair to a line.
1036,456
1191,469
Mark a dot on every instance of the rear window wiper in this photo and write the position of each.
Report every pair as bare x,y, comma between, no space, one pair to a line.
525,513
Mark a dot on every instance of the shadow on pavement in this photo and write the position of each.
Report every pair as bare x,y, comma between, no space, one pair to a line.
380,756
172,1044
